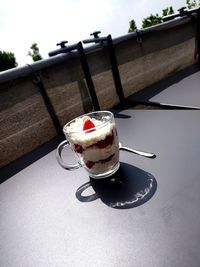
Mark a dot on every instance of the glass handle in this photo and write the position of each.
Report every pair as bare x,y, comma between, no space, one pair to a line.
66,166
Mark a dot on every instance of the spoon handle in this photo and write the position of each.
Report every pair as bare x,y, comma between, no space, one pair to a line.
141,153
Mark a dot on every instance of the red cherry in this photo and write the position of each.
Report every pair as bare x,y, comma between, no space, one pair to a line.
88,124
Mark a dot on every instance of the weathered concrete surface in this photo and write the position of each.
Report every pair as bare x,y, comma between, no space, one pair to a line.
144,71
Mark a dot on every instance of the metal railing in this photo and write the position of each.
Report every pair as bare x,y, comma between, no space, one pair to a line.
25,71
78,51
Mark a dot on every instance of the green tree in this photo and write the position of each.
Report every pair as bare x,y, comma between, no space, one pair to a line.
192,4
167,11
7,60
35,53
151,20
132,26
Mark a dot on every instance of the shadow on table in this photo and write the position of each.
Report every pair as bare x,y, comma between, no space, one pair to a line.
128,188
118,115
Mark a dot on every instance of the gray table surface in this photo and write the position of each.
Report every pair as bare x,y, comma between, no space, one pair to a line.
46,219
180,90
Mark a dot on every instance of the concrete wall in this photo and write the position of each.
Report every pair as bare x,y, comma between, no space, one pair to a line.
24,121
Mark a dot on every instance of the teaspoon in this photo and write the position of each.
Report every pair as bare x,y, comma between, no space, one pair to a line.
141,153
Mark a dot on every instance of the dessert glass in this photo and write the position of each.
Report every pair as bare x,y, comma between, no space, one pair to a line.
95,143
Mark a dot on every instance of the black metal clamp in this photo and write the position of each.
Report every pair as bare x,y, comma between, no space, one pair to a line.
95,35
64,49
113,60
181,12
96,38
62,44
139,37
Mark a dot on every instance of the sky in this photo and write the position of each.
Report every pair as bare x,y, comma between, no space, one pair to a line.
24,22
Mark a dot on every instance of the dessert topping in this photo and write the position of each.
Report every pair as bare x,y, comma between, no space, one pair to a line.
88,124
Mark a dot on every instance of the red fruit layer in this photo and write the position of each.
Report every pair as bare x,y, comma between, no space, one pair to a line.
104,143
101,144
78,148
90,164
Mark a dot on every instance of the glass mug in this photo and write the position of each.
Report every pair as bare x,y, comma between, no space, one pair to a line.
93,137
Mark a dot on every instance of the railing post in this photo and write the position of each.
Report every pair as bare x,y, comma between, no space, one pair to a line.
115,70
36,79
87,75
198,34
113,61
84,65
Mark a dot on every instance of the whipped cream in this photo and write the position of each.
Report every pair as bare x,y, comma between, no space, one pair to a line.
75,133
96,154
98,168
